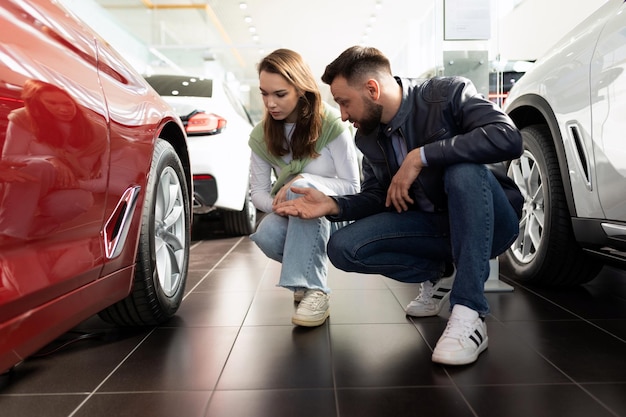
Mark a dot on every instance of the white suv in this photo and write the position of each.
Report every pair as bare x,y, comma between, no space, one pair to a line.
571,109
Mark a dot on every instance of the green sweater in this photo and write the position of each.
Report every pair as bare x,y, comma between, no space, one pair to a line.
332,126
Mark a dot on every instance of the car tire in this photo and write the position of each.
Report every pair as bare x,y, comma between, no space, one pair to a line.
163,250
545,251
242,222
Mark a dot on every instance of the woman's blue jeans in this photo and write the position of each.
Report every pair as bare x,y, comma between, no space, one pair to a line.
413,246
300,245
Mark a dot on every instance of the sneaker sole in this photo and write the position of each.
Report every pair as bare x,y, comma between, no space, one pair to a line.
310,323
449,360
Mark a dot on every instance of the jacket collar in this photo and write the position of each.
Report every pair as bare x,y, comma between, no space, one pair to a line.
403,112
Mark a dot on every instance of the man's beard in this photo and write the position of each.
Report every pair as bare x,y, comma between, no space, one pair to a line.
371,120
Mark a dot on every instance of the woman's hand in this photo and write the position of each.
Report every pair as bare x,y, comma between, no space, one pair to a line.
281,195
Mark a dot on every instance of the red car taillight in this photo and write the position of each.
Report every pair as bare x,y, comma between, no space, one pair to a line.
204,124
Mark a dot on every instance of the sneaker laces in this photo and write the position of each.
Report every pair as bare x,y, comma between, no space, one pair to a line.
311,300
426,293
458,329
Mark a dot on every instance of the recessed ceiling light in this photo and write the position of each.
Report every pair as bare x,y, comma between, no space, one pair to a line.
243,5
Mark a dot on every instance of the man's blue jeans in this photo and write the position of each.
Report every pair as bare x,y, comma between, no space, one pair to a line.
413,246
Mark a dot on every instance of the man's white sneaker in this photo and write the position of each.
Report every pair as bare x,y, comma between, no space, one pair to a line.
464,338
312,310
431,298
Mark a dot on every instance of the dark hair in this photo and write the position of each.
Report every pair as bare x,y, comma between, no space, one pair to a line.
291,66
356,62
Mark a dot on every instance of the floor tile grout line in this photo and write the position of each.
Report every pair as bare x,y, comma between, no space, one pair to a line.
92,393
577,316
243,320
214,266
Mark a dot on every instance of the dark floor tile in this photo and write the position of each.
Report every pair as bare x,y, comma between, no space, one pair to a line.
75,362
273,403
610,395
271,308
148,404
365,306
507,360
377,355
524,305
341,280
615,327
402,402
603,298
39,405
214,308
230,279
275,357
175,359
532,400
579,349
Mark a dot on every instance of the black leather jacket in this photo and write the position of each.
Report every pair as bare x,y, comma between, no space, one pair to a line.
454,124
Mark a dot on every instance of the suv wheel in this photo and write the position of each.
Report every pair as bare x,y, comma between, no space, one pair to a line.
545,251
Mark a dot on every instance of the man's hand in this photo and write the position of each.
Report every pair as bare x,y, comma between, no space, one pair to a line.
398,192
311,205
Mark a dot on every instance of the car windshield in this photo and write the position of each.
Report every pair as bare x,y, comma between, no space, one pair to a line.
181,86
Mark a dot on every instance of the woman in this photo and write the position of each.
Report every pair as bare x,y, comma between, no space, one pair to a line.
50,143
305,143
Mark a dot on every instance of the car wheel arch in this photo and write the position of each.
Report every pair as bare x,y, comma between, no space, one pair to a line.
532,109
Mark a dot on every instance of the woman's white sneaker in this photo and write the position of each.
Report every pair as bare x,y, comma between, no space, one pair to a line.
312,310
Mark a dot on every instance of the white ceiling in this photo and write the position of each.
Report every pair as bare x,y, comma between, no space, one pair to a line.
187,30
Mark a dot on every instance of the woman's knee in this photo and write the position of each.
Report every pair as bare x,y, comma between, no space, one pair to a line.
270,235
300,183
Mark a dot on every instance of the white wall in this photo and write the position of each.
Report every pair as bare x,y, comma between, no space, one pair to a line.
534,25
521,32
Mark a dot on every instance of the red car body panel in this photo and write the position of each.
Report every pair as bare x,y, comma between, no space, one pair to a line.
56,201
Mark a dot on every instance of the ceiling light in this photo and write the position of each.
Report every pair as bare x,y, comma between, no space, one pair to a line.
243,5
247,19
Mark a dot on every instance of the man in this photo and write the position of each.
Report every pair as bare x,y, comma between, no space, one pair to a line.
427,200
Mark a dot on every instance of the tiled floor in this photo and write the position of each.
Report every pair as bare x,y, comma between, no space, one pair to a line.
231,351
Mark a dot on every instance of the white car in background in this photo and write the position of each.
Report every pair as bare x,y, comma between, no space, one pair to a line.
218,127
571,109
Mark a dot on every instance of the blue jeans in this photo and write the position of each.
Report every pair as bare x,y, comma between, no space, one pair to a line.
300,245
413,246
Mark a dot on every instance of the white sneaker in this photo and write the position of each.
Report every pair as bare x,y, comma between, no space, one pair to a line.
312,310
464,338
431,298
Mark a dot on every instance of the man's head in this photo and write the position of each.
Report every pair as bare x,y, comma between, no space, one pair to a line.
356,79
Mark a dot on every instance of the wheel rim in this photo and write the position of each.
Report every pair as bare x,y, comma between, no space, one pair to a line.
527,174
170,232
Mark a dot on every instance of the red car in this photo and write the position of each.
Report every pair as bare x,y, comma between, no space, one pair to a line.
95,184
